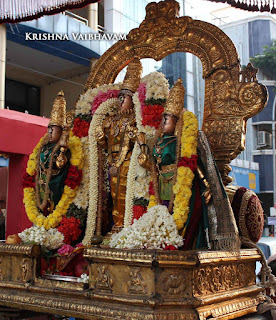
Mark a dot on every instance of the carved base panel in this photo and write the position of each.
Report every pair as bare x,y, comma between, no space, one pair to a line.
136,284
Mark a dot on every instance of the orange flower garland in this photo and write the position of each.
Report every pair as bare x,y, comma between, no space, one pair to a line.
53,219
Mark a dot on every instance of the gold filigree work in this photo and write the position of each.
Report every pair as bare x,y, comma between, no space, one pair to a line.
222,278
174,283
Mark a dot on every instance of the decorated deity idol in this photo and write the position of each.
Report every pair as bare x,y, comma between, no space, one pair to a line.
185,177
118,134
54,170
53,162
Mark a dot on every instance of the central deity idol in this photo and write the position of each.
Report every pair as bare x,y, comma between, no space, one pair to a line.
117,135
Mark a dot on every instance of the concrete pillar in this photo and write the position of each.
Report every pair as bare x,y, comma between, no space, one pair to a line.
93,16
3,40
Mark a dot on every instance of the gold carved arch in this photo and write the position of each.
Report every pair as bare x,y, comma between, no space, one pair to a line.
231,97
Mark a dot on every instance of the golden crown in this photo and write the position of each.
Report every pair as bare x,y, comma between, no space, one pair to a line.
132,78
58,114
175,101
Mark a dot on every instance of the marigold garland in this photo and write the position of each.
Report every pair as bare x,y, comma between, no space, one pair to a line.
185,170
76,164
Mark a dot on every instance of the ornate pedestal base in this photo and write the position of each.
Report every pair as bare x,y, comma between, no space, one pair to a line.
136,284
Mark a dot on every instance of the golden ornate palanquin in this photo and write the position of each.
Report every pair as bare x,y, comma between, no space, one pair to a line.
146,284
136,284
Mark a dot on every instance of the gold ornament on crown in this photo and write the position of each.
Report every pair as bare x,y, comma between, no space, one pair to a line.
132,78
175,101
58,114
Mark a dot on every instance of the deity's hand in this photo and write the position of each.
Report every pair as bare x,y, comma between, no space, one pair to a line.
100,137
143,160
207,195
61,159
144,149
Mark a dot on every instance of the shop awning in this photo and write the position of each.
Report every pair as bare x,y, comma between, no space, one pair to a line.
251,5
24,10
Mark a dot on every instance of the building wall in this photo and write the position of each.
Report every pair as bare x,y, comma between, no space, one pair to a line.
259,36
239,34
71,93
266,114
266,178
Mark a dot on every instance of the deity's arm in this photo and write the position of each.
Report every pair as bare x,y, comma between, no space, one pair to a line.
143,158
207,192
63,156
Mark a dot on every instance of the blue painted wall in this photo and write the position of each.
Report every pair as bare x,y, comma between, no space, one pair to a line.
266,114
242,178
266,176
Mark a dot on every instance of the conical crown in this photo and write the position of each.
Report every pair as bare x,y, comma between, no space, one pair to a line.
175,101
132,78
58,113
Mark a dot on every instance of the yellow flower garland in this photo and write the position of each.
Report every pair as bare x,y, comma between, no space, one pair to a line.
53,219
185,176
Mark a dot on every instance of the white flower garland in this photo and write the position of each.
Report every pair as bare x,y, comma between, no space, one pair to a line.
157,85
83,107
143,177
156,229
130,188
107,106
82,194
51,239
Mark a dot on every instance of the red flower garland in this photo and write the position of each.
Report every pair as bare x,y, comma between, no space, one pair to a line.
103,96
73,177
151,189
152,115
188,162
170,247
70,228
80,128
28,181
138,211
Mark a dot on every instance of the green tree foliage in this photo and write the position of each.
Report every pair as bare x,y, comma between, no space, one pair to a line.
266,61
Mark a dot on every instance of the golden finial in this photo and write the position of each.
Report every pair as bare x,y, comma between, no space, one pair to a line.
132,78
175,101
58,113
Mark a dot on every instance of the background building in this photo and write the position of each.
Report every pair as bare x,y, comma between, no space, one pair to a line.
250,36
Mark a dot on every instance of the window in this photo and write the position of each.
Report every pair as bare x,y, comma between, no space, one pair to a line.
22,97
